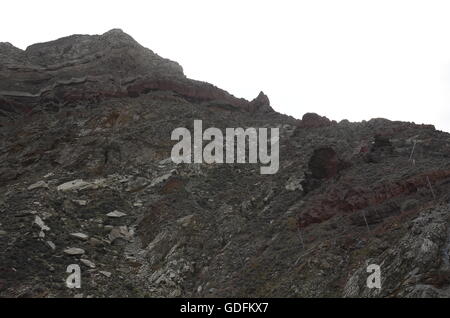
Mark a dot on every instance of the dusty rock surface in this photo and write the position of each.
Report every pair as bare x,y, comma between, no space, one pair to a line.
86,178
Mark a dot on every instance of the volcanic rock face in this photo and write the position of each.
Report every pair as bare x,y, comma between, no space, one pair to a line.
86,178
313,120
82,68
324,163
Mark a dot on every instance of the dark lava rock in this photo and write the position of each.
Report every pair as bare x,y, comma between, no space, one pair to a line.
91,117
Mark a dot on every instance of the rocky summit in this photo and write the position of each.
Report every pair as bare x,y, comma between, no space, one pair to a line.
86,178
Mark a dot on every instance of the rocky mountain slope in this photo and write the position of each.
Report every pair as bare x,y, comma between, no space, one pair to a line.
86,178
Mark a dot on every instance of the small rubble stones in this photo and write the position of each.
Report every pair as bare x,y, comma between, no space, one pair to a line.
116,214
37,185
88,263
73,251
80,236
105,273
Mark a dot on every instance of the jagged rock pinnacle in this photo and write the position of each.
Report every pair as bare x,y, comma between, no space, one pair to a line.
261,103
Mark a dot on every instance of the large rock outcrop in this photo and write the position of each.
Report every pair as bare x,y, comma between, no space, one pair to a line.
86,178
87,68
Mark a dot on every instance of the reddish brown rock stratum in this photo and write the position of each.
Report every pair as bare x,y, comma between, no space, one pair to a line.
86,178
82,68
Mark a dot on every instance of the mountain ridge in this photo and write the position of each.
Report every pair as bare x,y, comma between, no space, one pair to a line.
114,63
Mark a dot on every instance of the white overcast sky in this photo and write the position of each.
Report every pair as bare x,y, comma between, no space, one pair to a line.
344,59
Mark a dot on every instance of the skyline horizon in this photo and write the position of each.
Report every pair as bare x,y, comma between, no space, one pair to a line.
248,99
351,60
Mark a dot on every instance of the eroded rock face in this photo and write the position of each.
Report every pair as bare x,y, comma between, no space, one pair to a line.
261,103
113,56
313,120
86,177
381,141
417,257
88,68
324,163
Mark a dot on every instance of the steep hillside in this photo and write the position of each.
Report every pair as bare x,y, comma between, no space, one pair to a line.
85,126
